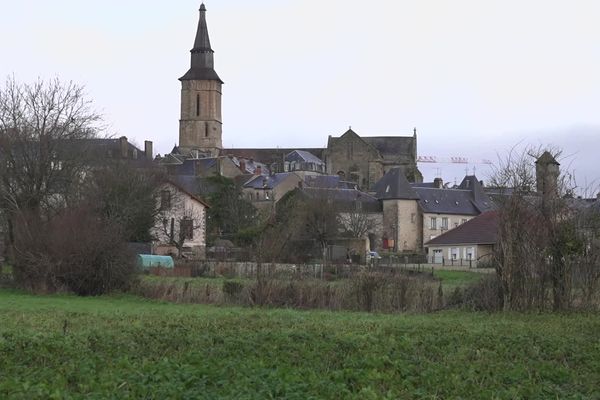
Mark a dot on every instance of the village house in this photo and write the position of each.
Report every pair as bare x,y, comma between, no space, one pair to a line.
470,244
414,213
180,228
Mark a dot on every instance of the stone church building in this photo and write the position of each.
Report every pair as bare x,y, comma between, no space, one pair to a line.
359,159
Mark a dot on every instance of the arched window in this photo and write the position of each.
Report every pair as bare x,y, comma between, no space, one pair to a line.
197,105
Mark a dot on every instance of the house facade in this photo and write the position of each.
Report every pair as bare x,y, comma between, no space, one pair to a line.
414,213
180,228
470,244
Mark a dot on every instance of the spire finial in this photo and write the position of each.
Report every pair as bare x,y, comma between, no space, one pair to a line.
202,7
415,131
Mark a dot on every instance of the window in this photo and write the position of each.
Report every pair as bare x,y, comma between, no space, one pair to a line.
433,223
454,253
197,105
464,219
456,224
470,253
445,223
186,226
165,200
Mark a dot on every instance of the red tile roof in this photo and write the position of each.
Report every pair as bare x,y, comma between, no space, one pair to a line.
482,229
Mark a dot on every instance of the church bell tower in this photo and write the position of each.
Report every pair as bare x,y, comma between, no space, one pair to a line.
200,125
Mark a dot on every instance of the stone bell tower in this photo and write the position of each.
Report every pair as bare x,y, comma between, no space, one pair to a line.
200,125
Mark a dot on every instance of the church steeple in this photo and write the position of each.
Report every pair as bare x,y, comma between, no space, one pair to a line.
203,64
200,125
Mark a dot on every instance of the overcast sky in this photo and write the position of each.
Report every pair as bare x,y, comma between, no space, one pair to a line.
475,77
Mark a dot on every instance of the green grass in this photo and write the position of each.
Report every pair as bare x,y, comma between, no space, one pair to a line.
125,347
451,279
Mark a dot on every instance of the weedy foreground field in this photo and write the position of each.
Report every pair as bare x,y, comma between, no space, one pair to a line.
126,347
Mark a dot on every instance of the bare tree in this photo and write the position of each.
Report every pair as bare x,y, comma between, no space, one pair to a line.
358,223
127,196
541,241
41,162
38,125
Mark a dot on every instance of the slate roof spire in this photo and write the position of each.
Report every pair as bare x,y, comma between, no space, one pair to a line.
202,65
394,185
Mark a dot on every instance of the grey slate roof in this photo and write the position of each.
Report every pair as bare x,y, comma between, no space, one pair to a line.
328,182
468,199
394,185
303,156
480,199
446,201
268,156
267,182
202,65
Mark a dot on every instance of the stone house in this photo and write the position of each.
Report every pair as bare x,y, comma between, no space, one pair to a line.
265,191
471,243
180,228
416,213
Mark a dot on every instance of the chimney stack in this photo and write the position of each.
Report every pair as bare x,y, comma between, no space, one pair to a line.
243,166
148,150
438,183
123,146
258,170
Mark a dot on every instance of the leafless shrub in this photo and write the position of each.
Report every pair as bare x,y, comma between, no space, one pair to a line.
484,295
74,251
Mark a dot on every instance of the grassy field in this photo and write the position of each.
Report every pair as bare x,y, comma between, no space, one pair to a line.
452,279
57,347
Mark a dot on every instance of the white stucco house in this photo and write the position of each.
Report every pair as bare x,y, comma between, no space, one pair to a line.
180,228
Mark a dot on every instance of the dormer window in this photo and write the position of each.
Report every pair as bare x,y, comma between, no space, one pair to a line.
387,189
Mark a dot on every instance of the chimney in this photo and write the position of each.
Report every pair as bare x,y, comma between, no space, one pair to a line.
438,183
598,196
258,170
243,166
148,150
123,146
